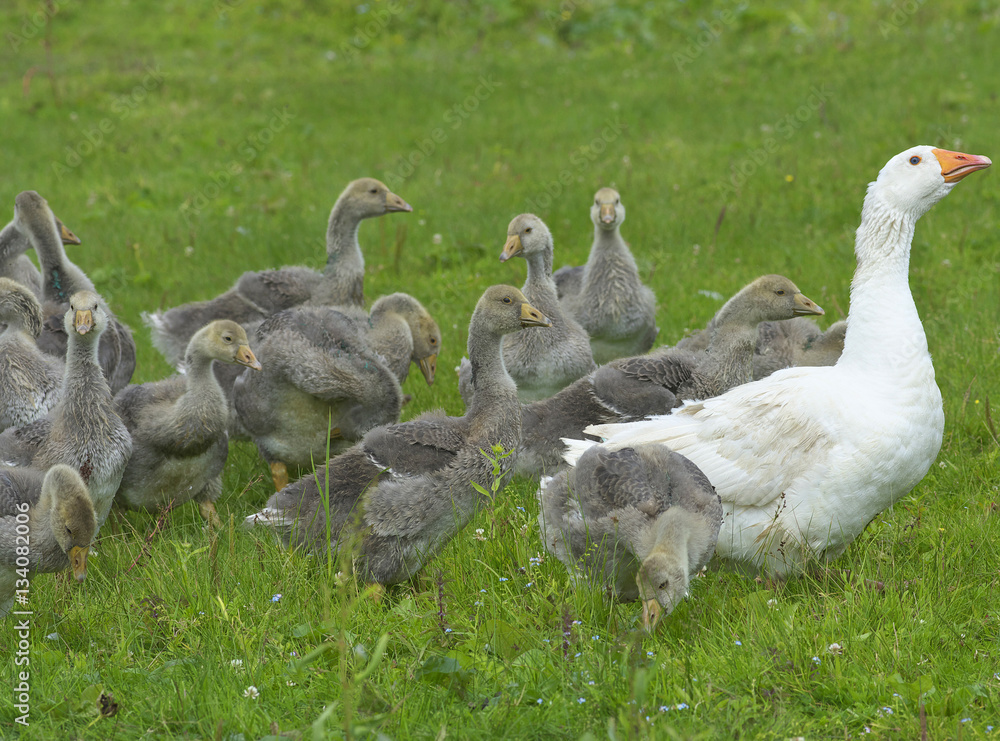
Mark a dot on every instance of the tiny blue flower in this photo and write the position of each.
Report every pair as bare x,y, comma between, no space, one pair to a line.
539,701
595,638
577,622
664,708
529,584
447,630
546,640
965,720
739,643
479,604
482,591
521,508
276,598
504,578
591,682
578,656
989,728
581,701
650,654
682,706
817,661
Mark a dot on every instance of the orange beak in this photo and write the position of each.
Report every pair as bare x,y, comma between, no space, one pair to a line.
245,356
67,236
511,247
956,165
83,321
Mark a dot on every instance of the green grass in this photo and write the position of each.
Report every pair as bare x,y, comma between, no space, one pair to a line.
669,103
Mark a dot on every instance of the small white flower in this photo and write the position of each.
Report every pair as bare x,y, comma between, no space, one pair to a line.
436,239
290,683
236,663
251,692
772,603
835,648
188,251
480,534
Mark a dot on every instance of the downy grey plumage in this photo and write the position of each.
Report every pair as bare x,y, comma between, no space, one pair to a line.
638,521
398,496
257,295
178,426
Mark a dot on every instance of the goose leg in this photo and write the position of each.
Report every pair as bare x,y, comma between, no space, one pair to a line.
279,473
210,514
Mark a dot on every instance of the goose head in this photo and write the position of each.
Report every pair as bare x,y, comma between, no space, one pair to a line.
86,315
526,235
608,211
506,310
663,582
223,340
424,331
19,307
426,344
772,298
72,516
914,180
368,197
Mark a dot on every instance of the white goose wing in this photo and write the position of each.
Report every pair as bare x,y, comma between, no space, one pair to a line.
754,442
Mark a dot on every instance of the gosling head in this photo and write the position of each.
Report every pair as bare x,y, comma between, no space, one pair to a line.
86,315
772,298
19,307
72,516
663,582
368,197
506,310
526,235
223,340
608,211
423,329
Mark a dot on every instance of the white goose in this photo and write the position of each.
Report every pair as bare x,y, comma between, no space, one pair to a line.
805,458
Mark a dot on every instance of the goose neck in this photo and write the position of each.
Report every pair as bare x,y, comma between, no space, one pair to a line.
883,323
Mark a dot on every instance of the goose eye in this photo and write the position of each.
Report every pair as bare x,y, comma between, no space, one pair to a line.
506,299
69,532
780,292
617,201
227,338
914,160
434,340
373,191
528,230
597,202
664,584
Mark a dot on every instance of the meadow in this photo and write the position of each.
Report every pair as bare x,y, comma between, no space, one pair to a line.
186,142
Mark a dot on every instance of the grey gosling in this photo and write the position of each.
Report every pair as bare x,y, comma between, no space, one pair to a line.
629,389
541,363
30,380
258,295
178,427
398,496
82,430
60,280
398,329
606,296
638,521
47,522
17,266
322,387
